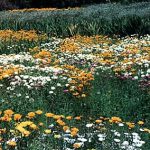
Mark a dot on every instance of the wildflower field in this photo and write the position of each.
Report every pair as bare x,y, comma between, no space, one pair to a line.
73,89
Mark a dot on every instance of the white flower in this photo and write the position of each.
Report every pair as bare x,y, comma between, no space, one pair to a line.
148,70
141,129
89,125
51,126
117,134
117,140
53,88
27,97
101,135
142,75
67,85
54,77
51,92
82,139
139,143
58,84
125,143
68,131
135,134
101,139
121,124
136,77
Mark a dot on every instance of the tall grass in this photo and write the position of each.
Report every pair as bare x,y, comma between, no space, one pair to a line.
96,19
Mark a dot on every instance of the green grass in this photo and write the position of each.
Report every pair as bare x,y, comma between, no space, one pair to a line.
96,19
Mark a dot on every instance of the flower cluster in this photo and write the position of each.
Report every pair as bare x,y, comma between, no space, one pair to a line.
55,74
10,35
73,132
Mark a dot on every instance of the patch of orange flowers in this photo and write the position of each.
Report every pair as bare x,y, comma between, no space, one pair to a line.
31,35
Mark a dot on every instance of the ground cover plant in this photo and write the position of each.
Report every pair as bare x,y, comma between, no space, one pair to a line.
65,86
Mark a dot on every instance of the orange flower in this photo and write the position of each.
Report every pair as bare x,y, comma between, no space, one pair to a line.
60,122
17,117
75,129
73,133
9,112
6,118
98,121
31,115
115,120
78,118
49,115
69,117
77,145
65,128
39,112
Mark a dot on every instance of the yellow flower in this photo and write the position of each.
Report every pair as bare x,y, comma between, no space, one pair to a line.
20,128
26,133
12,143
33,126
2,131
39,112
49,115
47,131
147,130
12,131
57,136
17,117
140,122
57,117
83,95
130,124
31,115
8,112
